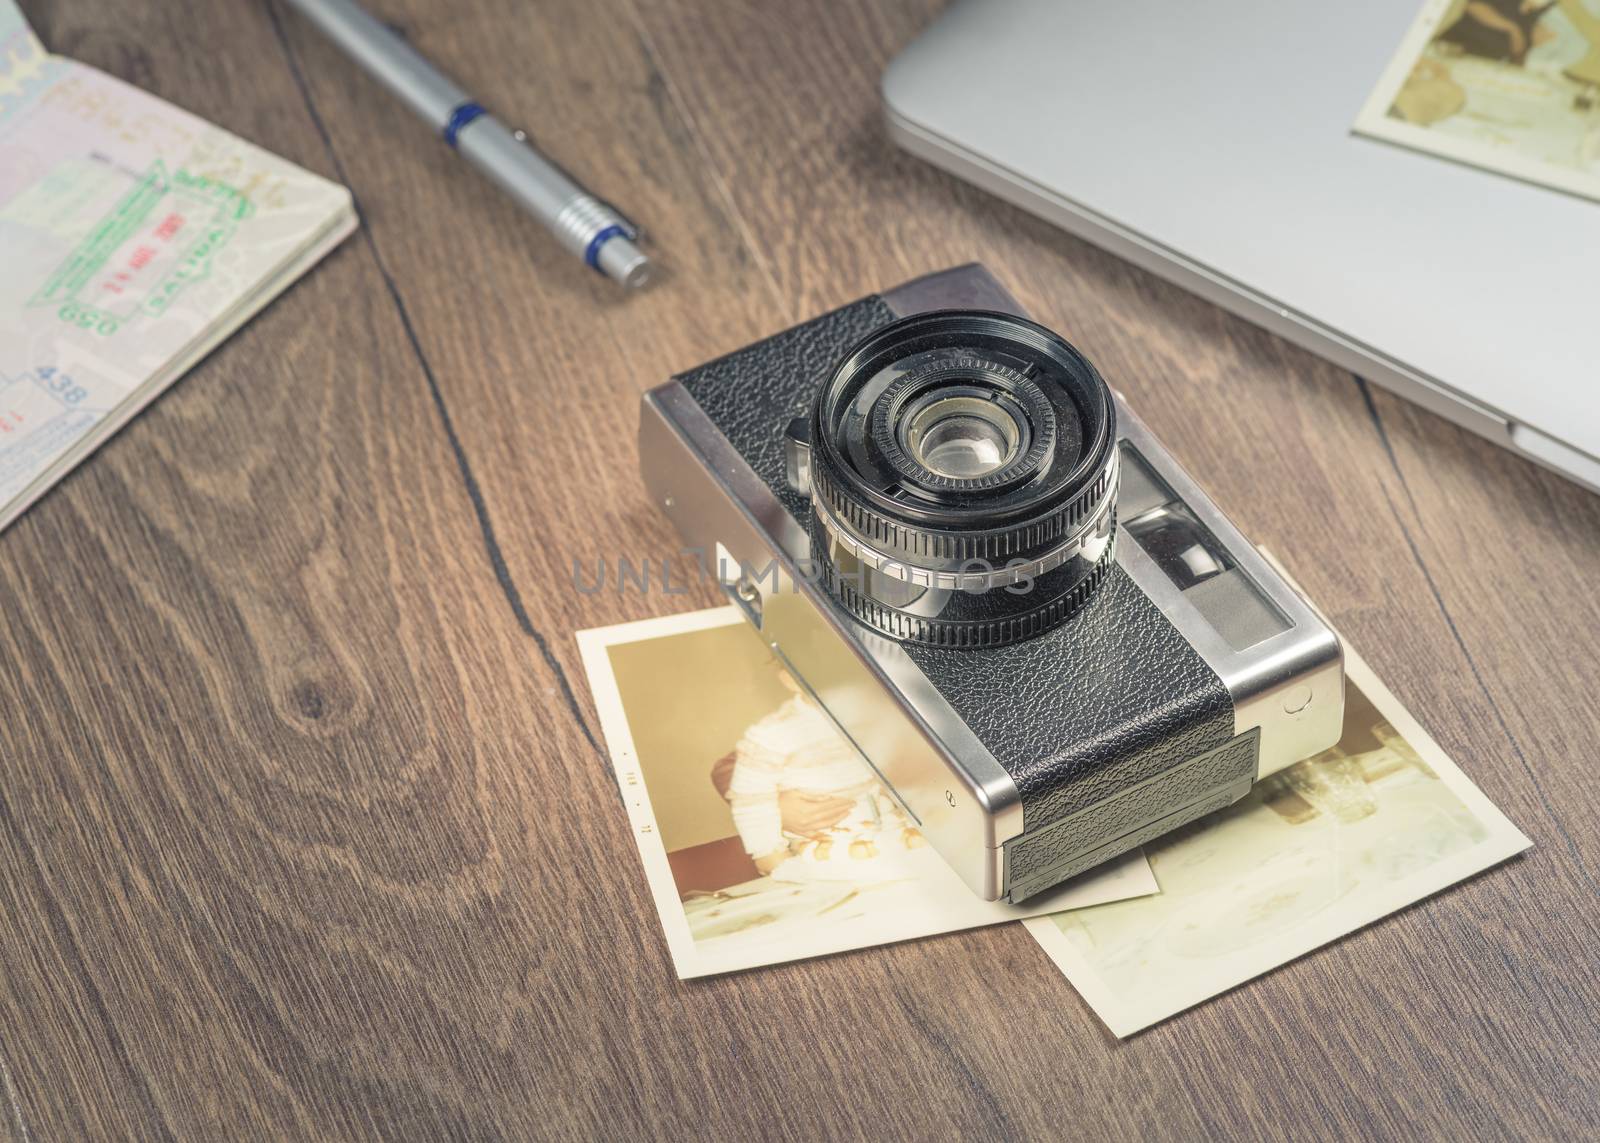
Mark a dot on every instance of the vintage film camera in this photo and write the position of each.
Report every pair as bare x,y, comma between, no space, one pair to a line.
1046,640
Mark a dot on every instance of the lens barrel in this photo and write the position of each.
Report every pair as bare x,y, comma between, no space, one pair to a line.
963,479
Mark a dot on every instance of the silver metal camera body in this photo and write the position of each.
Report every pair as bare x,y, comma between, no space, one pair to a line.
1133,669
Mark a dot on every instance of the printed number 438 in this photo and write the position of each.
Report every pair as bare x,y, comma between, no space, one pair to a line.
61,384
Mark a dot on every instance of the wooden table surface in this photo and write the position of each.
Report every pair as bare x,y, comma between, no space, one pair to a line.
305,828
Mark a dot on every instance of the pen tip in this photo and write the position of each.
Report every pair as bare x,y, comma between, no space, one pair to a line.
624,262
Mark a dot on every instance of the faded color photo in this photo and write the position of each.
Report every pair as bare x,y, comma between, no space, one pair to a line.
1313,852
1509,85
764,834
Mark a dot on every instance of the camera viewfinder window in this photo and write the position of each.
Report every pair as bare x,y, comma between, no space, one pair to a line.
1188,554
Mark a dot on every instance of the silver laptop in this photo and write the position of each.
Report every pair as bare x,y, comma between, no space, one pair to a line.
1210,143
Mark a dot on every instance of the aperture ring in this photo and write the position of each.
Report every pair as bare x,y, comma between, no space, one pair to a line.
995,632
929,547
974,574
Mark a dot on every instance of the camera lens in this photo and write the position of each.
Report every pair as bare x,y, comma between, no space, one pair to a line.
960,436
963,479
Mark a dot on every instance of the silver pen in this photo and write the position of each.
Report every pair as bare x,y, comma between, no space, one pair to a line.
588,227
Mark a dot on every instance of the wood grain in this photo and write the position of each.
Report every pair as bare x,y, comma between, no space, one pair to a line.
305,831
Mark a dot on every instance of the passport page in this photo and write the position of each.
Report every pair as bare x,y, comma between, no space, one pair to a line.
132,234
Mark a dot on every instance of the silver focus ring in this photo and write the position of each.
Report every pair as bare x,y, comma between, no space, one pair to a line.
1088,542
927,547
937,632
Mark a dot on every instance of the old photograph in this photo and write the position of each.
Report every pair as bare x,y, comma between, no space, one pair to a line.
1509,85
764,834
1313,852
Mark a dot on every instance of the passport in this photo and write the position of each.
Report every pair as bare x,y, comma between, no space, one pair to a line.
134,238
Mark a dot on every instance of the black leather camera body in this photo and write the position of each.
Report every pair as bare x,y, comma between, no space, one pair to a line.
1043,636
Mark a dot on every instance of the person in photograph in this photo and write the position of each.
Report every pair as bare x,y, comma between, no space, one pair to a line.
799,793
1501,30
